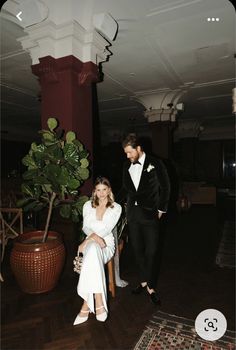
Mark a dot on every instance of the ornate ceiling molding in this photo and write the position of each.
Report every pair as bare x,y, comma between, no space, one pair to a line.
167,7
60,40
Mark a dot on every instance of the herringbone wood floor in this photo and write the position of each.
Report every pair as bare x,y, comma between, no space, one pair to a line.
189,282
46,321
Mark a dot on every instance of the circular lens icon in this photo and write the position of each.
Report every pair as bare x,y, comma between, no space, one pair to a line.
210,324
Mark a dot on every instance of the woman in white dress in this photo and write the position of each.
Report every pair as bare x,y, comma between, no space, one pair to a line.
100,215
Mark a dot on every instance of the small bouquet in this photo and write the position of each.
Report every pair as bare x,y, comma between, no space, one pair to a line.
78,263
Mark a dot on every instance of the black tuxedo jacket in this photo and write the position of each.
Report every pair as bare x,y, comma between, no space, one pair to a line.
153,191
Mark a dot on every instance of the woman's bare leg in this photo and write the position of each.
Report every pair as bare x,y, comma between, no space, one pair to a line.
99,303
84,310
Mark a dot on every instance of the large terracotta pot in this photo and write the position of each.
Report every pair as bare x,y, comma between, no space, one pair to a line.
37,266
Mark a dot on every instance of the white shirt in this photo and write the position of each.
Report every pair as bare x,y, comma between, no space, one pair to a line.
135,171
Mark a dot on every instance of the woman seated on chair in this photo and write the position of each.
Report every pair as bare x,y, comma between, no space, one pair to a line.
100,215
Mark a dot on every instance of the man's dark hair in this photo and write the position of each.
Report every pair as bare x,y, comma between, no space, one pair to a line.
132,140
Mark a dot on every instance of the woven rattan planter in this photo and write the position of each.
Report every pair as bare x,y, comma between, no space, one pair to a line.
37,266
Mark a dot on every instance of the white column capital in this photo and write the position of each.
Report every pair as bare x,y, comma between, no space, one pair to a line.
161,115
60,40
160,105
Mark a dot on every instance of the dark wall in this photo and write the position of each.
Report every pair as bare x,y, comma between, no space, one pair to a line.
11,169
110,164
209,161
11,154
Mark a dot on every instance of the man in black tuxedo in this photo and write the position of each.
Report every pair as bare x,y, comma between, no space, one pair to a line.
147,188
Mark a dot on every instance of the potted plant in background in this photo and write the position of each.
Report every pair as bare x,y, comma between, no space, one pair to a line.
56,169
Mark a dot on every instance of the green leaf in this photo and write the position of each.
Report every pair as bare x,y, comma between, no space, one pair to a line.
41,148
30,174
84,154
52,123
65,210
83,173
80,203
65,179
38,156
73,184
84,163
48,135
78,144
40,180
52,172
48,138
26,189
37,190
71,154
34,146
70,136
53,153
29,161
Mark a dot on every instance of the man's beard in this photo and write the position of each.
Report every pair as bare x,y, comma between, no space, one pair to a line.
135,159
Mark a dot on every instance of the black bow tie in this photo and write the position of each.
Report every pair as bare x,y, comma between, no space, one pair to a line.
137,162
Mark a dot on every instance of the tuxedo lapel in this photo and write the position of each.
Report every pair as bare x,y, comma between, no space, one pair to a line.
143,175
127,179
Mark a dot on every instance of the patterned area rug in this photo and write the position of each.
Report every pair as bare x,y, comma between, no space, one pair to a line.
226,252
169,332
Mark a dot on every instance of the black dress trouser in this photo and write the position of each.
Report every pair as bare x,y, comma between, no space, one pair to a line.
144,235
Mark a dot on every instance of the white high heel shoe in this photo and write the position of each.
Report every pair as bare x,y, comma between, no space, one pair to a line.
80,319
103,316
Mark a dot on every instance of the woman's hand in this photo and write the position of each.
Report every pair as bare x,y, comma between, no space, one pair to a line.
82,246
99,240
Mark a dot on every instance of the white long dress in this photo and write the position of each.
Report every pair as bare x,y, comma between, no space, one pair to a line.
119,282
92,276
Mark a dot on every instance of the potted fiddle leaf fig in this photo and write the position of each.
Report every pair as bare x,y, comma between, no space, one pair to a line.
56,169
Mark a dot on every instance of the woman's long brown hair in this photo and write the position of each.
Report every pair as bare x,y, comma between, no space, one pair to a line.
110,198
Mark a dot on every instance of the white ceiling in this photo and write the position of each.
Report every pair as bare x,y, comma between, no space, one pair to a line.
161,45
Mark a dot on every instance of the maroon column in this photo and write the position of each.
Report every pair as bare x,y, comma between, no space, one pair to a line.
66,93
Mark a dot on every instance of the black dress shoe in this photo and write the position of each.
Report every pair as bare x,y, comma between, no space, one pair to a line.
138,289
155,299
